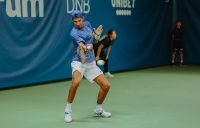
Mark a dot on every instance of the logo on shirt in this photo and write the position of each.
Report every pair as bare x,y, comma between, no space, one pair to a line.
82,5
21,8
123,7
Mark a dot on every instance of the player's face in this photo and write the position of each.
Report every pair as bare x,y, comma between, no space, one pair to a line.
178,24
114,35
78,22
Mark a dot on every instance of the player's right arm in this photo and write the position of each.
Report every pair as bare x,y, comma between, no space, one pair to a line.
77,39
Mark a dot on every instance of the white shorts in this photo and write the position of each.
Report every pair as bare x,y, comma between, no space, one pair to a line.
89,70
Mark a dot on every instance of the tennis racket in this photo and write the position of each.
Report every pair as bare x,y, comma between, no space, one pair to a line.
82,53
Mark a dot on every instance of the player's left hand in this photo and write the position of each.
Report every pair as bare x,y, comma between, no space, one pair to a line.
81,45
99,30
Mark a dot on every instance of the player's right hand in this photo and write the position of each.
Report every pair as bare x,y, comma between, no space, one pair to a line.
81,45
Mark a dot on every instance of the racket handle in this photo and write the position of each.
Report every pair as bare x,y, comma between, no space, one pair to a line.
82,54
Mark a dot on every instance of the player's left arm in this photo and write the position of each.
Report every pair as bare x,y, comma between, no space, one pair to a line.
108,52
97,33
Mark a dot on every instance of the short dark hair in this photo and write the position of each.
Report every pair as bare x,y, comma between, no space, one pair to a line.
110,32
178,20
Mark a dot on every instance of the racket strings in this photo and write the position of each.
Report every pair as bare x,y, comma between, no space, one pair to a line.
82,53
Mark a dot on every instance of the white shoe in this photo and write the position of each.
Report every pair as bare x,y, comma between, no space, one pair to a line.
181,61
108,74
101,113
173,61
68,117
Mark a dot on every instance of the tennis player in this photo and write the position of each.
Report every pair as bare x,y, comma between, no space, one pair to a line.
82,35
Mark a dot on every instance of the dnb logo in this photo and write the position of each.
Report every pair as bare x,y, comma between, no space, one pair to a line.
82,5
21,8
123,7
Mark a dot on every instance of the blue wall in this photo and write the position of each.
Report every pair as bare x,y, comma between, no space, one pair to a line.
37,48
189,13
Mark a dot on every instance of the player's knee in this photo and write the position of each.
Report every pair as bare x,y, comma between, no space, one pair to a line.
107,87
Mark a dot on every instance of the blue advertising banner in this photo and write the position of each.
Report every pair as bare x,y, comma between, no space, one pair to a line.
35,45
189,11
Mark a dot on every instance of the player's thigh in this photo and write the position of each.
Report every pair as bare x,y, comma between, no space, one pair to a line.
76,78
92,71
102,81
77,72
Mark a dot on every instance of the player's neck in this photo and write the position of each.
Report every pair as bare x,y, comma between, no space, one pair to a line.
79,27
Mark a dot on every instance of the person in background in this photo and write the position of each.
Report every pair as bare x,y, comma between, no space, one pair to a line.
103,47
177,35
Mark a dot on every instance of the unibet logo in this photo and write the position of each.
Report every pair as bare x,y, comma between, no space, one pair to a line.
20,8
123,7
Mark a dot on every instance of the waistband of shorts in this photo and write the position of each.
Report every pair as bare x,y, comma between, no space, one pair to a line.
84,63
